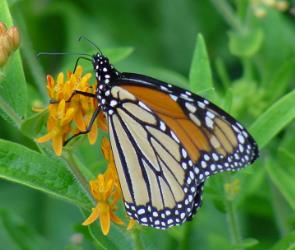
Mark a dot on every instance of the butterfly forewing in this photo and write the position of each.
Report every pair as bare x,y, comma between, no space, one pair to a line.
214,140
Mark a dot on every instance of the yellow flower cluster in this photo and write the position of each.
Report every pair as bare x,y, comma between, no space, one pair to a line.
70,114
69,117
9,42
260,7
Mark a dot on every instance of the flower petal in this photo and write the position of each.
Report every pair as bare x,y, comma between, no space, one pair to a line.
131,224
92,217
78,71
106,148
92,135
86,78
60,78
104,217
116,219
57,142
61,109
78,118
68,116
45,138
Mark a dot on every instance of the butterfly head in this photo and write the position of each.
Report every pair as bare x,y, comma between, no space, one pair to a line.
104,71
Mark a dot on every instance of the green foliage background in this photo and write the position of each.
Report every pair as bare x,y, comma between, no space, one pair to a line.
243,63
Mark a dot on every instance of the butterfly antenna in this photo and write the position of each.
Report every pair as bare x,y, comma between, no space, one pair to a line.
92,43
63,53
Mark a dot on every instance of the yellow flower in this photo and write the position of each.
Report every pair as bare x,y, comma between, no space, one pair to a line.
104,191
69,114
80,108
107,192
58,126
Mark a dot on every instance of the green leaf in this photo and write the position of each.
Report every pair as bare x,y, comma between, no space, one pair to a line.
282,174
246,243
246,43
280,80
13,91
33,125
118,54
286,243
228,100
222,73
24,166
24,236
200,76
274,119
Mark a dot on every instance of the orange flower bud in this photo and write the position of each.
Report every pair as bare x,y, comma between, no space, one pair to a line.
2,27
14,36
5,43
3,56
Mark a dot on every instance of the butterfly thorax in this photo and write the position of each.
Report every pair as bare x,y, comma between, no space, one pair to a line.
105,75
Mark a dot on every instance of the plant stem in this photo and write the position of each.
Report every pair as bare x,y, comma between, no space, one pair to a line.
232,218
137,240
228,14
247,68
74,168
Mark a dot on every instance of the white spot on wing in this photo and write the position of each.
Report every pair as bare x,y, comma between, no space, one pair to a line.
190,107
201,105
162,126
174,136
209,122
195,119
174,97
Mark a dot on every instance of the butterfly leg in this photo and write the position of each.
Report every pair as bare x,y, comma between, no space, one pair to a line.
89,126
77,61
75,92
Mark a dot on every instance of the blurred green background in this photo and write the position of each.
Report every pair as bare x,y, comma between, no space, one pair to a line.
252,58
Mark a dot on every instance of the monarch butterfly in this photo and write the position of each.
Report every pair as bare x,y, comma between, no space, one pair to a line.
166,142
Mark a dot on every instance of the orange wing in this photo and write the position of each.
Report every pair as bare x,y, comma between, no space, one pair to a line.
190,135
194,136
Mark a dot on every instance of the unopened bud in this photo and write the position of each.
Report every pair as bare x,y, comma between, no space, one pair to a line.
5,43
14,36
3,56
2,27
